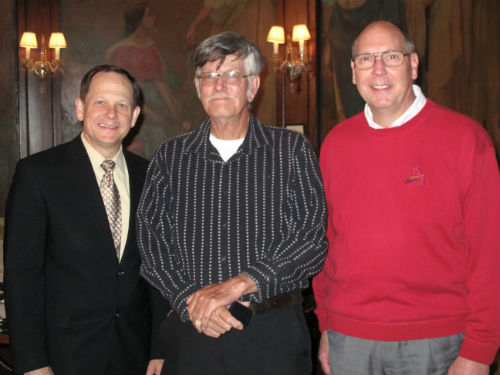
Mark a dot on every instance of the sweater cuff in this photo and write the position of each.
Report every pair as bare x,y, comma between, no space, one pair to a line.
321,315
479,352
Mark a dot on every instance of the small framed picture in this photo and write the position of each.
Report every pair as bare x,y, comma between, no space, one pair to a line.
296,127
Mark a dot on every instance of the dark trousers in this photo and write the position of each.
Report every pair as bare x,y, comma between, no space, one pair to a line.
276,342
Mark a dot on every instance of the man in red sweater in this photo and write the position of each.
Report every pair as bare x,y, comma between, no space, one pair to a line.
411,283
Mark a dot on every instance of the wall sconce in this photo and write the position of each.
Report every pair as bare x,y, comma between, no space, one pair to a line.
276,36
43,67
294,67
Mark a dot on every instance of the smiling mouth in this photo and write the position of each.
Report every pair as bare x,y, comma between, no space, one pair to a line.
107,126
381,87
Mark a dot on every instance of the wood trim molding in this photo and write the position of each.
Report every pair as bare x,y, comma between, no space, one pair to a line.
300,107
39,100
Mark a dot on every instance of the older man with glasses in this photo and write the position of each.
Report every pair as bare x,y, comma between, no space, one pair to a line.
231,226
411,284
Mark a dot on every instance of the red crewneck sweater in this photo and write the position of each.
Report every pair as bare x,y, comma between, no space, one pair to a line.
414,232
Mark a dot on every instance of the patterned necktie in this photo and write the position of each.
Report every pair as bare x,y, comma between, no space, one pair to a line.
111,198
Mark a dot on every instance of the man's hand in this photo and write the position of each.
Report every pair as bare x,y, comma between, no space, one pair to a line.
154,367
203,303
324,353
41,371
463,366
220,322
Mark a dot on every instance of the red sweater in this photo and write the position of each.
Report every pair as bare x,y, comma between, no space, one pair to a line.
414,232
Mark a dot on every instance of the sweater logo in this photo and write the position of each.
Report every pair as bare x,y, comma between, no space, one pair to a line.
416,177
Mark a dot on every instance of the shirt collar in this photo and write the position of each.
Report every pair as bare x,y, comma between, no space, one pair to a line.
198,142
96,158
411,112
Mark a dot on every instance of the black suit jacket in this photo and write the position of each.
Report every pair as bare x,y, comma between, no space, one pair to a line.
70,303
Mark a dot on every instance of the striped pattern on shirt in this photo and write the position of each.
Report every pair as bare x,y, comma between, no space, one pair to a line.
262,213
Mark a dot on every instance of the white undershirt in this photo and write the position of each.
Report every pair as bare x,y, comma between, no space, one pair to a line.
226,147
411,112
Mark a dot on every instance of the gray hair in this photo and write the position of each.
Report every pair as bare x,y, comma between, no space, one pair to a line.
219,46
409,45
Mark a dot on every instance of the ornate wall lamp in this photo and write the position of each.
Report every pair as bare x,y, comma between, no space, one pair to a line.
44,66
293,65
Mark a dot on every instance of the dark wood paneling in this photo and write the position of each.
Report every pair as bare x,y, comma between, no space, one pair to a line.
9,142
300,105
39,100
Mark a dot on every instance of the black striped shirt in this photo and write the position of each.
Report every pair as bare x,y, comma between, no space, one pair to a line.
262,213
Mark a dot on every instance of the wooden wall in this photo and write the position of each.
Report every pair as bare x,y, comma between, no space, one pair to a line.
9,141
300,107
39,100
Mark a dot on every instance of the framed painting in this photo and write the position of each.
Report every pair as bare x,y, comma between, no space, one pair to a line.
155,41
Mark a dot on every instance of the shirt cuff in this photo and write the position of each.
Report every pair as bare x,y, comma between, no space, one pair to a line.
179,302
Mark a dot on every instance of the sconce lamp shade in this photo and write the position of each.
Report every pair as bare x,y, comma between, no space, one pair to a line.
57,40
28,40
276,35
300,32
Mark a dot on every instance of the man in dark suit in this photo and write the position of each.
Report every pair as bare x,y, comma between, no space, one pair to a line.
75,301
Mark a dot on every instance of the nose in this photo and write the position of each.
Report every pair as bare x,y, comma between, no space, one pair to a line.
111,111
219,83
378,66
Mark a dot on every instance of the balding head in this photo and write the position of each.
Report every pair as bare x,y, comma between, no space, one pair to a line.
386,26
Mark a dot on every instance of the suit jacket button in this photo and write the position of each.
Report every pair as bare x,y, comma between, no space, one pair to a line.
117,314
121,273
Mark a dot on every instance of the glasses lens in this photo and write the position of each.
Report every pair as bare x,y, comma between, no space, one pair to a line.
231,77
389,58
364,61
208,78
392,58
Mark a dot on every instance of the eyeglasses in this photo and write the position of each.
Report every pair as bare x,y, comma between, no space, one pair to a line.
231,77
389,58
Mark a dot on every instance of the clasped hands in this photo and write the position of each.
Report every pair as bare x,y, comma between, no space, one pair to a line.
208,307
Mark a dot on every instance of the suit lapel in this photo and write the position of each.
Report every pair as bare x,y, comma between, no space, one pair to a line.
136,182
86,190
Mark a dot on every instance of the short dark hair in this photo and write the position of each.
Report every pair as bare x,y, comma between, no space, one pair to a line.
217,47
105,68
